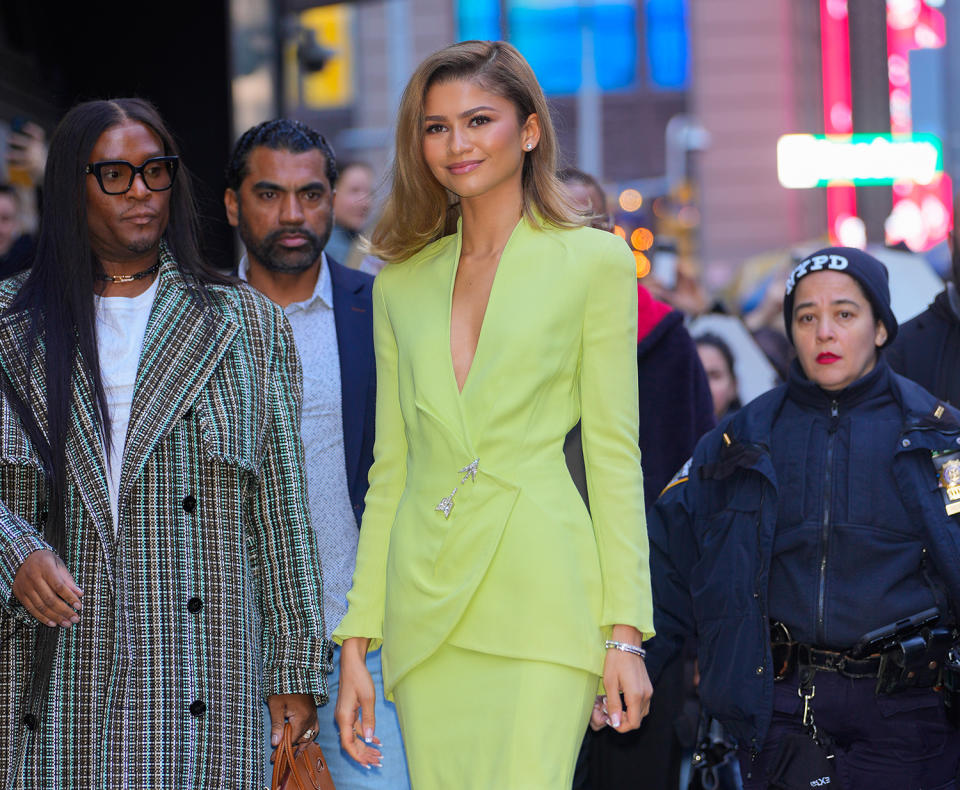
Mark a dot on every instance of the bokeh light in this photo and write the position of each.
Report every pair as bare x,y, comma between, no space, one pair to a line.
630,200
689,216
926,37
641,239
841,117
902,14
905,224
852,232
619,231
643,264
837,8
899,69
936,218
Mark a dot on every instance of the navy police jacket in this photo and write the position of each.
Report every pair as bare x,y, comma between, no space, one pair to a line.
712,535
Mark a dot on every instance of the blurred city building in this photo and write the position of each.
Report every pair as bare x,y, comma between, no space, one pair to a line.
721,130
756,76
829,121
884,151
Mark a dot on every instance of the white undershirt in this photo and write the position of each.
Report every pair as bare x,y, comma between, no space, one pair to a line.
121,325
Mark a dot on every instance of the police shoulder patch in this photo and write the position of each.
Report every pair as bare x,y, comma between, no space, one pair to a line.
680,477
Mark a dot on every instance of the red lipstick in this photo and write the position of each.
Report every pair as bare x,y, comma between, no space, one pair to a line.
827,358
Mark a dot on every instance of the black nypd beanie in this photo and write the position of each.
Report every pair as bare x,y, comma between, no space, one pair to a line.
870,273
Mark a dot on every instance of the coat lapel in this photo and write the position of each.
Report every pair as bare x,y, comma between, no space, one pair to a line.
86,463
84,450
182,346
30,386
351,315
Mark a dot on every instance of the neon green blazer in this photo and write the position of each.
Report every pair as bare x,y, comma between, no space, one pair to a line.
516,566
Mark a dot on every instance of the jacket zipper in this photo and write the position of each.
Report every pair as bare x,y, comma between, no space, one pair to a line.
825,526
764,616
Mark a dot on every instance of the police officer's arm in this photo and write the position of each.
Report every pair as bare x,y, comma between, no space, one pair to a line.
673,552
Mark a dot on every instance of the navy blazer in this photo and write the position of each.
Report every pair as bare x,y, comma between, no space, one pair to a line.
353,317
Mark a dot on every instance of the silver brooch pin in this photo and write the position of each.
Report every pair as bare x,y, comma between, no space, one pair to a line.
446,504
469,472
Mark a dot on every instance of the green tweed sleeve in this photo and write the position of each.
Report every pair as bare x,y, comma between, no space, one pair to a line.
285,547
18,539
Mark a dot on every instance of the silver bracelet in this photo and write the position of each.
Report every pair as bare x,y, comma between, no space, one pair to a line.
625,648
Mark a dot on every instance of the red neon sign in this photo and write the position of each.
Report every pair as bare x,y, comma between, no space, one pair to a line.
922,215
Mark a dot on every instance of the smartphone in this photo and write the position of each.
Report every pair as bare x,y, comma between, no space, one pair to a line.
18,176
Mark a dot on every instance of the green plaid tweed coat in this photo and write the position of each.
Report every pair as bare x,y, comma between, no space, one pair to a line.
207,598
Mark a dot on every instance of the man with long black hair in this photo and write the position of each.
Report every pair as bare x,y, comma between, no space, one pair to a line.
158,572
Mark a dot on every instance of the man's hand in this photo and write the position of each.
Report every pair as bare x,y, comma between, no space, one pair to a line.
300,711
46,589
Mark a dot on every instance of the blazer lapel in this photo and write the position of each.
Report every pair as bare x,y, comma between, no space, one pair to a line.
446,404
355,348
183,344
497,334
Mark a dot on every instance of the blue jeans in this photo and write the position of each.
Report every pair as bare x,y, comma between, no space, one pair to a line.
347,774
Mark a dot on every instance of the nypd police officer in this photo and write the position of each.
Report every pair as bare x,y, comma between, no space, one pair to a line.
811,545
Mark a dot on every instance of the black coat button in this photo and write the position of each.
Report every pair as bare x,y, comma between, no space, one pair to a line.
194,605
30,721
189,503
197,708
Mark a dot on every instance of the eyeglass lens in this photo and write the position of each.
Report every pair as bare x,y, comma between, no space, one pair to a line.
117,177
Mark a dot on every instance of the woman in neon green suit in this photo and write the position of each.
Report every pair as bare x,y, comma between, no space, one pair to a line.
500,599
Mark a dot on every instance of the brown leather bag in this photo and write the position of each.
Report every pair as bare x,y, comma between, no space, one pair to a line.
306,771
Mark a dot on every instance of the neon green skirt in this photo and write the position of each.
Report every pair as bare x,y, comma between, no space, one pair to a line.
474,721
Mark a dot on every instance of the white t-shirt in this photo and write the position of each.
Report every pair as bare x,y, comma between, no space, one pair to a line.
121,326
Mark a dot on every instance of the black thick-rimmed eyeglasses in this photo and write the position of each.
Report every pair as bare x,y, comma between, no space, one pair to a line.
116,176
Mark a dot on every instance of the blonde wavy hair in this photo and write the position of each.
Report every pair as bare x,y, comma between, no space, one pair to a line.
419,210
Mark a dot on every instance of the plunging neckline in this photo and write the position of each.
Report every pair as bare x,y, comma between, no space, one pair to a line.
486,310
